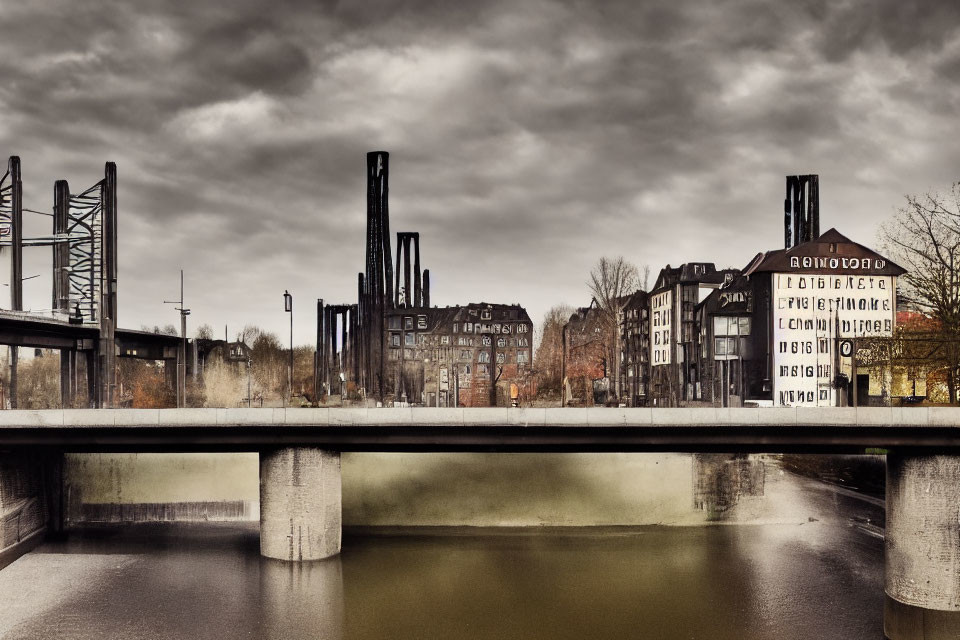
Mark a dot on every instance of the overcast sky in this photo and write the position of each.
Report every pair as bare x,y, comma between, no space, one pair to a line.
527,139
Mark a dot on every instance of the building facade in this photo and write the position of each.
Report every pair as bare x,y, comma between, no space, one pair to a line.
784,331
476,355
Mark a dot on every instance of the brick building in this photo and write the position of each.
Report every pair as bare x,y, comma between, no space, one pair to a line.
465,356
584,360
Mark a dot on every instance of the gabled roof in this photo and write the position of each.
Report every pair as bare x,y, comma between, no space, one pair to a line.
688,273
816,256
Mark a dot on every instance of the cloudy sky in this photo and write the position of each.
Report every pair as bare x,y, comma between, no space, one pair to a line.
527,139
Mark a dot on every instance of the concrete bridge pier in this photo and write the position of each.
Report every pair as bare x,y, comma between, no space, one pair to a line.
922,558
300,503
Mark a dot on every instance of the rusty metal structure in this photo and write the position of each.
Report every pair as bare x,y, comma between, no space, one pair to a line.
337,348
378,295
801,210
83,315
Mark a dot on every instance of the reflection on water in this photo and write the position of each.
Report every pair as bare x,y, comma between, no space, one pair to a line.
301,599
721,479
809,575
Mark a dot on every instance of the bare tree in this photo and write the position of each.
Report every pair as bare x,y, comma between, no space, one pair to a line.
924,238
549,357
611,281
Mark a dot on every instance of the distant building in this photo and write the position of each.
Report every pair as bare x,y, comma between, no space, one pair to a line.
584,366
465,356
635,349
674,335
725,321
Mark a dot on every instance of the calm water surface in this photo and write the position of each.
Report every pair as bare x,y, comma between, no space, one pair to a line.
817,577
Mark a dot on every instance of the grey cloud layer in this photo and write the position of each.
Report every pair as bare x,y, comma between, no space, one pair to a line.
528,138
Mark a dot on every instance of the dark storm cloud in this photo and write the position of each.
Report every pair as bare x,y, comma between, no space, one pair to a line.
527,139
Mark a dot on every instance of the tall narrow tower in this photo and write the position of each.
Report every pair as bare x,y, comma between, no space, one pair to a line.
378,281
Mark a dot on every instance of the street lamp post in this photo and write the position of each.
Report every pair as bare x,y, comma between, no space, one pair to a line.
288,307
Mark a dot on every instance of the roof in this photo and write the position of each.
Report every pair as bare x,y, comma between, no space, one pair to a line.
690,273
816,256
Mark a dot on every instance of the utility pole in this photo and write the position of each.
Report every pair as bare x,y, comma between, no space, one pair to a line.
182,355
288,307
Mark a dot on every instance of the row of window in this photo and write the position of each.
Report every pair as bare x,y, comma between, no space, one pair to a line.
486,341
478,327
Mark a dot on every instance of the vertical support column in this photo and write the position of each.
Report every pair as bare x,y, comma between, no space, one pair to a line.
408,301
93,382
399,284
300,504
788,216
318,355
426,288
16,234
67,357
61,248
813,206
108,305
354,347
417,289
379,278
327,349
61,287
344,354
16,262
922,554
362,340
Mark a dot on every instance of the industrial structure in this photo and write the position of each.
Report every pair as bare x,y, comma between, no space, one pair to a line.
82,322
392,347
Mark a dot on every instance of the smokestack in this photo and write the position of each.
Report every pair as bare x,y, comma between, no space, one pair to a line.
426,288
378,282
801,208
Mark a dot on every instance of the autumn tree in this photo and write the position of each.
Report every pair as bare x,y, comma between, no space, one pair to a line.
923,237
38,381
611,281
548,360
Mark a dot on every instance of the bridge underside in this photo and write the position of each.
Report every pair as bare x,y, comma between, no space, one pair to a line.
844,430
413,438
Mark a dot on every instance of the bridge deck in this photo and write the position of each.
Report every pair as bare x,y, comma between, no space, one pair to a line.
428,429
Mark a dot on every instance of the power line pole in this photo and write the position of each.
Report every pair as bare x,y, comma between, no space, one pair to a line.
182,354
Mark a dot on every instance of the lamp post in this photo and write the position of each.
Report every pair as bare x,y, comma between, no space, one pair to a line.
288,307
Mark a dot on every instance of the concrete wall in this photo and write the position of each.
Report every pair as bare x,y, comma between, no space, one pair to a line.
129,487
23,502
434,489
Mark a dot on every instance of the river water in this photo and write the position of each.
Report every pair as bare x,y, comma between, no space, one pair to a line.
817,573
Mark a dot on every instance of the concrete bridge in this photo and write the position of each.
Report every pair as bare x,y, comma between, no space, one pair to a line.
300,486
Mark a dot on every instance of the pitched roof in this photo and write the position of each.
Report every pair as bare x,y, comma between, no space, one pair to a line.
816,256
